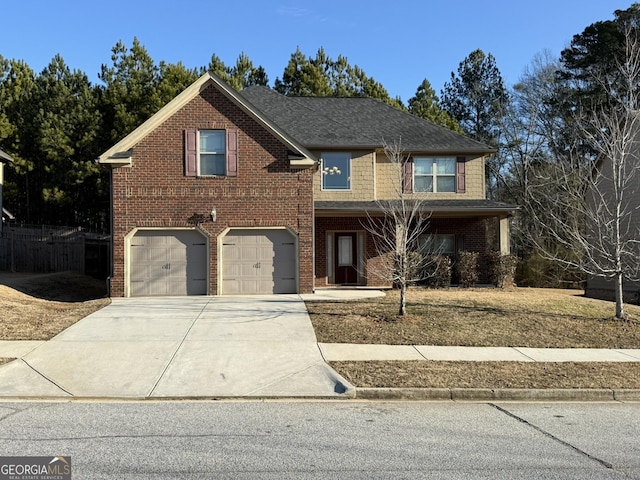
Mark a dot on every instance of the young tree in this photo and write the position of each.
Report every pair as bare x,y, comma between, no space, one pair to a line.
398,227
590,204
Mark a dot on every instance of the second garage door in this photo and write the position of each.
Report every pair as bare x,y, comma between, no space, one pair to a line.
258,262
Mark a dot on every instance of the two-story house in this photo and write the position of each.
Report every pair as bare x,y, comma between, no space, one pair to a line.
252,192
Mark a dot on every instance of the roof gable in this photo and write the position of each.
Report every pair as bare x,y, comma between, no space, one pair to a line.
120,154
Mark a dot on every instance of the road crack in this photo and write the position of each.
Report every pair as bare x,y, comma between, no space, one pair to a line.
553,437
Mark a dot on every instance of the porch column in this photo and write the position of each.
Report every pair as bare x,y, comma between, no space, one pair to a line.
505,247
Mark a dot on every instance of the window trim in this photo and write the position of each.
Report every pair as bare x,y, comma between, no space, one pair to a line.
200,152
322,172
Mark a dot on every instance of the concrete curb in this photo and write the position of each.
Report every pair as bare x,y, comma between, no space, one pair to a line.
500,394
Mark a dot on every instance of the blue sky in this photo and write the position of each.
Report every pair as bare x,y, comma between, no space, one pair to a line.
399,42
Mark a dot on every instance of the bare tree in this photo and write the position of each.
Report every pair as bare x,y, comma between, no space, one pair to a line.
591,205
398,226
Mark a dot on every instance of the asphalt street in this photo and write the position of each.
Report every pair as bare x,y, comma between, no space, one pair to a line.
329,439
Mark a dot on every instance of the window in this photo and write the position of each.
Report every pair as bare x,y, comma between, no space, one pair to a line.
212,157
437,244
336,171
212,153
434,174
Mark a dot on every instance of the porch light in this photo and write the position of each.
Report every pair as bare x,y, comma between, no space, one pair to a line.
214,214
331,171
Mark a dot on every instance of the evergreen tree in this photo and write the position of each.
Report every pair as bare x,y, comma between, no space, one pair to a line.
426,104
130,94
321,76
476,98
243,74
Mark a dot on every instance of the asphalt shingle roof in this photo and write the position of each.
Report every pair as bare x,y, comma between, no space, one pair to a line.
356,122
426,205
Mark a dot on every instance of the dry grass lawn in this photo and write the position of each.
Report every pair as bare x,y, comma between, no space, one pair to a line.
482,317
39,306
521,317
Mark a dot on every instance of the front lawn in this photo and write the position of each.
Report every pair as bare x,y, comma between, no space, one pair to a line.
522,317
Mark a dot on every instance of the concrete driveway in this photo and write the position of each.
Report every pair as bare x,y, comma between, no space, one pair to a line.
259,346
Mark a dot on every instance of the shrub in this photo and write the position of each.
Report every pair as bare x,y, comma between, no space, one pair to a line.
502,269
437,271
534,270
468,269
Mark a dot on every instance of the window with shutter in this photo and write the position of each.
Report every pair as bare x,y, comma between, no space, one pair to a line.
435,174
211,152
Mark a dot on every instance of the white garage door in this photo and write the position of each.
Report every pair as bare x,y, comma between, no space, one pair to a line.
258,262
172,262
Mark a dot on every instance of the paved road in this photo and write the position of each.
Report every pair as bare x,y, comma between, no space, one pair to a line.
331,439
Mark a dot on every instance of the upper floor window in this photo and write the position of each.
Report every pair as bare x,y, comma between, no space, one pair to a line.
434,174
336,171
211,153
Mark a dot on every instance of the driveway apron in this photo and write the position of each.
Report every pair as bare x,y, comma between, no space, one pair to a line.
193,347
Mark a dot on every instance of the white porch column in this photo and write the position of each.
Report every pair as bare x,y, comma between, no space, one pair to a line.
505,247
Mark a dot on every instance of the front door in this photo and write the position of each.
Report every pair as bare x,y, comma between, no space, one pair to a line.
346,258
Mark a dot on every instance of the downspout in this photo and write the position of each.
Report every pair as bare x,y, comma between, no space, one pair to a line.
113,238
313,231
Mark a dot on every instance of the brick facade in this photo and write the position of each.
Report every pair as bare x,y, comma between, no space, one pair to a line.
470,233
155,193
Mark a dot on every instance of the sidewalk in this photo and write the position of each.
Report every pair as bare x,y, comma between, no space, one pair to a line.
337,352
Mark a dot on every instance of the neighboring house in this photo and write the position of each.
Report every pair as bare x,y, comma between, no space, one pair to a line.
607,209
223,192
4,158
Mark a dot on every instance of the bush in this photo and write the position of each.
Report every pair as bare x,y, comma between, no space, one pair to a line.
502,269
534,270
437,272
468,269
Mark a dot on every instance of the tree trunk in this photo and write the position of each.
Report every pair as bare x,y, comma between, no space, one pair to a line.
619,298
403,299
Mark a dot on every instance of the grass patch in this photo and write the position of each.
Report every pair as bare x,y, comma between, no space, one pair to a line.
39,306
521,317
427,374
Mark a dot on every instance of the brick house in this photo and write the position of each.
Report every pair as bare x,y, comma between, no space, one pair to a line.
252,192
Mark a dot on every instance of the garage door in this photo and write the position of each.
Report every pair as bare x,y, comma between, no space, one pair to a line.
168,263
258,262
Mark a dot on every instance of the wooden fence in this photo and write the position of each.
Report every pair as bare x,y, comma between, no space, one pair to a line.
54,249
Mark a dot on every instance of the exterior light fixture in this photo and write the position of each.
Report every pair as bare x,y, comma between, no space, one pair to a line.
331,171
